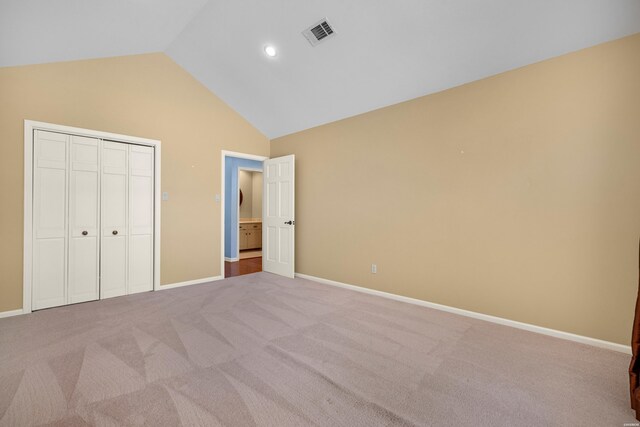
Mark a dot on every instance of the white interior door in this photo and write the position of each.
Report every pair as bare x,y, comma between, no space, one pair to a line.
141,203
50,170
278,223
84,217
115,221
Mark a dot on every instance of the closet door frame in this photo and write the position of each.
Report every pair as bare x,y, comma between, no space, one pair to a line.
30,127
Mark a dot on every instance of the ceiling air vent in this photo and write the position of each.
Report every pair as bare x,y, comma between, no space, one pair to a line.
318,32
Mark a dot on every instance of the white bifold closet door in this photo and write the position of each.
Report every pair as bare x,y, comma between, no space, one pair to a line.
50,152
84,219
141,226
93,219
115,200
127,219
65,220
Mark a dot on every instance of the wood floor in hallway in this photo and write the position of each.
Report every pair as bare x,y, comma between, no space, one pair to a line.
244,266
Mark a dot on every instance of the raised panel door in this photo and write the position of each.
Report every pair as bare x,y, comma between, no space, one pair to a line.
278,223
50,175
141,220
114,235
84,217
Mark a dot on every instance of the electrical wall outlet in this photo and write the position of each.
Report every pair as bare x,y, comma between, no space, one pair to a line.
374,268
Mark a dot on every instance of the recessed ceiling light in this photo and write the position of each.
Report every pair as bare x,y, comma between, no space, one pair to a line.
270,51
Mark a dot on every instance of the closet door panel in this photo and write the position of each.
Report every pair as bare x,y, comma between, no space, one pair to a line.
49,220
140,264
113,265
84,187
141,197
113,274
49,278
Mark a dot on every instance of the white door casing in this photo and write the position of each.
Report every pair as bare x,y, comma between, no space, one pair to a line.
278,223
84,219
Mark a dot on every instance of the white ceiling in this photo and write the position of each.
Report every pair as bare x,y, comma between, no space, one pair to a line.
385,51
38,31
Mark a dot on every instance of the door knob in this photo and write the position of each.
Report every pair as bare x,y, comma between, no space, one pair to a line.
114,232
290,222
84,233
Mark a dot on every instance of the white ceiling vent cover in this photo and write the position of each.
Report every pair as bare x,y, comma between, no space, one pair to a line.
319,32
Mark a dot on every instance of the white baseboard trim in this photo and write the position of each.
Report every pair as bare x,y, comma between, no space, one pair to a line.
11,313
231,259
162,288
190,282
493,319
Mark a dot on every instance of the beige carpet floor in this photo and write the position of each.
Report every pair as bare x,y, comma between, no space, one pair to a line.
269,351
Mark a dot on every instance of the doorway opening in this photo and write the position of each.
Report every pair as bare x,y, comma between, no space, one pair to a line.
250,208
242,230
277,221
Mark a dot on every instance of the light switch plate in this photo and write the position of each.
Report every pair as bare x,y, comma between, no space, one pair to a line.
165,195
217,198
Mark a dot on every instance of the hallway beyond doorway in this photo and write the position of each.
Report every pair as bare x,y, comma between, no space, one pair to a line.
244,266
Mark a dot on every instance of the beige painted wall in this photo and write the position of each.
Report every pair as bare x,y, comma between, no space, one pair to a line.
245,181
143,95
516,196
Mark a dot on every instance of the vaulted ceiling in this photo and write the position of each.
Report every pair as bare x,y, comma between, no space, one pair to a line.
384,51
